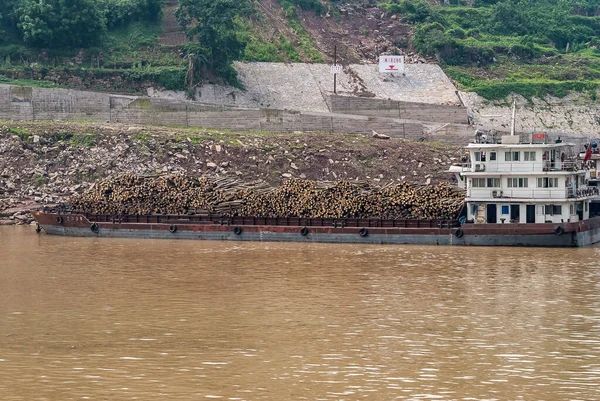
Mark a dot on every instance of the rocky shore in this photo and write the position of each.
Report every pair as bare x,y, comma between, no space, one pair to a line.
46,163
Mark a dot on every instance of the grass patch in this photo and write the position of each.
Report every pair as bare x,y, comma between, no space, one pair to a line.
27,82
23,134
83,140
39,181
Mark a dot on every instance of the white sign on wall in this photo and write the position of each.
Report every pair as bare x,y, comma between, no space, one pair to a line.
389,64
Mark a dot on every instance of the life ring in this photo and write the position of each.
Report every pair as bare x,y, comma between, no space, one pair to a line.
59,219
172,228
559,230
95,228
304,231
459,233
363,232
237,230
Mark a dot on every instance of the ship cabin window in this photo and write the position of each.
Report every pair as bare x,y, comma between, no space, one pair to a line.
505,209
553,209
492,156
493,182
478,182
529,156
585,204
475,210
479,156
511,156
547,182
571,209
517,182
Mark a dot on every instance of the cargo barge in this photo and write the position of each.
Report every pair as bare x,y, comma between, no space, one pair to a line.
517,194
356,231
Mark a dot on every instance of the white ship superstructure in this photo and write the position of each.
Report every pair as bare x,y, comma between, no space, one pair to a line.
513,182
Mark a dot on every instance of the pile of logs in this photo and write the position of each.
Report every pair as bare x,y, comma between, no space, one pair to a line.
131,194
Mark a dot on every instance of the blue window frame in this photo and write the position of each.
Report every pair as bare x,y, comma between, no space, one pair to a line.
505,209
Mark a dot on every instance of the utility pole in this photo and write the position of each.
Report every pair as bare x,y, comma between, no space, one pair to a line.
335,67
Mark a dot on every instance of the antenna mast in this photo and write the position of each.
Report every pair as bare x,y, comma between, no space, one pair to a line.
514,114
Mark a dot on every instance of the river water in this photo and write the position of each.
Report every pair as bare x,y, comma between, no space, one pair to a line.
105,319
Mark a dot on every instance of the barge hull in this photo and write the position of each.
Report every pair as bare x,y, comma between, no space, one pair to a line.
266,234
538,235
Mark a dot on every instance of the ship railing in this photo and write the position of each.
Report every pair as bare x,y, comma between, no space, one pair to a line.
540,193
268,221
519,166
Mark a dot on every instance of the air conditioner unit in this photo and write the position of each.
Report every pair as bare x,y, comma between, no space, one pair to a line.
496,194
480,167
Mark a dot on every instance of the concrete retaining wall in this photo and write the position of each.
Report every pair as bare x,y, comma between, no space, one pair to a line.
25,103
397,109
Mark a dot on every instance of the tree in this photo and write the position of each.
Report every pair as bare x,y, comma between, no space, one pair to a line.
216,25
61,23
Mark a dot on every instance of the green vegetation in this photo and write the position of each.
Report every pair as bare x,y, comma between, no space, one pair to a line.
72,23
306,43
109,44
114,44
22,133
39,180
496,47
492,47
216,24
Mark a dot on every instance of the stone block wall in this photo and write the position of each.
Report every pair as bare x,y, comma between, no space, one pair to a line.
397,109
24,103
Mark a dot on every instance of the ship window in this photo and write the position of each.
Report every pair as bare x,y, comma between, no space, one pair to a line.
478,183
505,209
492,156
586,206
517,182
493,182
529,156
571,209
511,156
547,182
553,209
479,156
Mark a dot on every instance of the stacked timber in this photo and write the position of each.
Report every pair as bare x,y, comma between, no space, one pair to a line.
132,194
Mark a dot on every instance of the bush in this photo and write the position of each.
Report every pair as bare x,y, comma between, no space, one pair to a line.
524,51
414,11
123,12
61,23
171,78
315,5
457,33
530,89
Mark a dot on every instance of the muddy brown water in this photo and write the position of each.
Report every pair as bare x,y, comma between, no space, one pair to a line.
104,319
